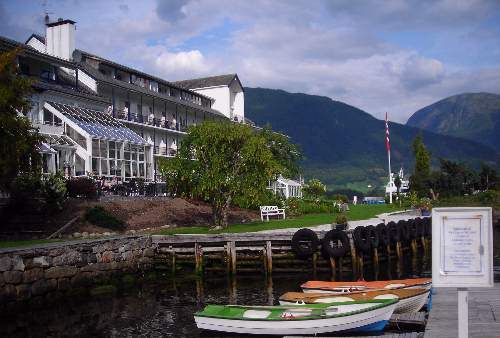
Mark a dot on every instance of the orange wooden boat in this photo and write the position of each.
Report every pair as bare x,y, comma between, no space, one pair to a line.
348,287
410,300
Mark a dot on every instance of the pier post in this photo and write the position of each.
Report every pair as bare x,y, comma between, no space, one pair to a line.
315,263
228,257
361,267
198,258
233,257
398,250
172,252
375,257
354,258
333,267
269,258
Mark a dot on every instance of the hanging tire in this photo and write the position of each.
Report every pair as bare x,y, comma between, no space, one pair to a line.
383,235
361,240
305,243
372,236
419,223
412,227
428,227
394,232
329,247
404,230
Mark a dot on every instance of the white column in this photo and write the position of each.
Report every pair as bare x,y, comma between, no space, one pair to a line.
463,313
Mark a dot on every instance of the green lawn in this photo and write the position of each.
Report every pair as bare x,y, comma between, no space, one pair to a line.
12,244
357,212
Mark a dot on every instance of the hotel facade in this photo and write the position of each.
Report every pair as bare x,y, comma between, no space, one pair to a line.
103,118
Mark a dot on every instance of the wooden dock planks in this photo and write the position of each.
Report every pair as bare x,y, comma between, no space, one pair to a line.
484,313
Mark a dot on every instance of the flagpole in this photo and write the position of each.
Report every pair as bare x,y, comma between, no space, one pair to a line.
390,178
388,147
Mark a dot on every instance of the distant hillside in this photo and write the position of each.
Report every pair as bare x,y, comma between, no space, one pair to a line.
344,146
474,116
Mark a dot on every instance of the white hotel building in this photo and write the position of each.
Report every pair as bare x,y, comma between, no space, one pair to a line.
108,119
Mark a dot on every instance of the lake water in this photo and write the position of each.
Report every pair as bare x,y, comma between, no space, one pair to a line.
165,307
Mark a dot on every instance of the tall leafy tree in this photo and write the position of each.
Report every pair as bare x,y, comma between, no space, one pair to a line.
18,139
488,177
419,181
397,183
221,161
314,188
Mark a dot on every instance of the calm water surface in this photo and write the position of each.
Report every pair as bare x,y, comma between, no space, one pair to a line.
164,308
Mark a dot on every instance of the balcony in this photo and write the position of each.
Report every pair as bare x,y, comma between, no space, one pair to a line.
150,120
164,151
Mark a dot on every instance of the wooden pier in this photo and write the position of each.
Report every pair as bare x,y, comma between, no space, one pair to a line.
484,313
267,253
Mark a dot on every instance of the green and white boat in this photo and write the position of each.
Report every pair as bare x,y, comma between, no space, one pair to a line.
356,316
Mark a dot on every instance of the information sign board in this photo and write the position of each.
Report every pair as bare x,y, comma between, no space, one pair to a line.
462,247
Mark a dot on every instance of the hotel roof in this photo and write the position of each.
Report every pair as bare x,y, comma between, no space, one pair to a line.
211,81
98,124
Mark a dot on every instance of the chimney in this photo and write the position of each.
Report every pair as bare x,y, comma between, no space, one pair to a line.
60,38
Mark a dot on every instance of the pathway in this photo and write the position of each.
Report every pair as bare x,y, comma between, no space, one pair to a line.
484,313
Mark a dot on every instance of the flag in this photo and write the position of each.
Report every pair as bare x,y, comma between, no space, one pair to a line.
387,143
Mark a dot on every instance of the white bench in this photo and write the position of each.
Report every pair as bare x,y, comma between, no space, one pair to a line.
270,210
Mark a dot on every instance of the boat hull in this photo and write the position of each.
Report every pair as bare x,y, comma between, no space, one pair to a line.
406,305
349,287
370,321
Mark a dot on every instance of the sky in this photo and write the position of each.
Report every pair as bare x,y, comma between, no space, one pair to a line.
393,55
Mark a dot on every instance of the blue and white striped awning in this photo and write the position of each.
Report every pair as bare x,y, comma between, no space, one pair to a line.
98,124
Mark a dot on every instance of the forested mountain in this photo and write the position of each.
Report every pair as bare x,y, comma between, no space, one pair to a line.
343,145
474,116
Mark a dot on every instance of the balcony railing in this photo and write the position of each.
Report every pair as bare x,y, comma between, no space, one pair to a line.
149,120
164,151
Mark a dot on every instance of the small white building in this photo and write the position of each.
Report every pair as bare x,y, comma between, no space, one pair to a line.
226,90
286,188
391,187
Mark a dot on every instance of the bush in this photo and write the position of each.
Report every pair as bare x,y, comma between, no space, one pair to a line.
100,217
25,192
340,197
53,190
490,197
81,187
341,218
293,206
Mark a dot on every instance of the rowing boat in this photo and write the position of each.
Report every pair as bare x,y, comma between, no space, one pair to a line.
349,287
410,300
355,316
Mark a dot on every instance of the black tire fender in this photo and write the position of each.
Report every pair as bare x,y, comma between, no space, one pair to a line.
420,227
383,235
405,231
305,243
428,227
361,240
331,237
394,232
412,227
373,236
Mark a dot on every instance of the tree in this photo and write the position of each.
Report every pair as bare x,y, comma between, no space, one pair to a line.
488,177
18,139
419,181
314,188
397,183
221,161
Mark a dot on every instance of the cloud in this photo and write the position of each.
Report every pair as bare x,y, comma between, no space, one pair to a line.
171,10
394,56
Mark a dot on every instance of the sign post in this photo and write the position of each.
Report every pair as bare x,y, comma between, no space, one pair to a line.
462,254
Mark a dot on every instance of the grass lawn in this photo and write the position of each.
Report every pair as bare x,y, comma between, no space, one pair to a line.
357,212
11,244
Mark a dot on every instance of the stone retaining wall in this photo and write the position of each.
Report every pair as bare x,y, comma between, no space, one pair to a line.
55,269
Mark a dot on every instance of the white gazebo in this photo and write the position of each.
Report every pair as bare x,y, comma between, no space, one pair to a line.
286,187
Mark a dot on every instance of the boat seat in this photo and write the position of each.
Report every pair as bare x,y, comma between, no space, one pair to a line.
256,314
